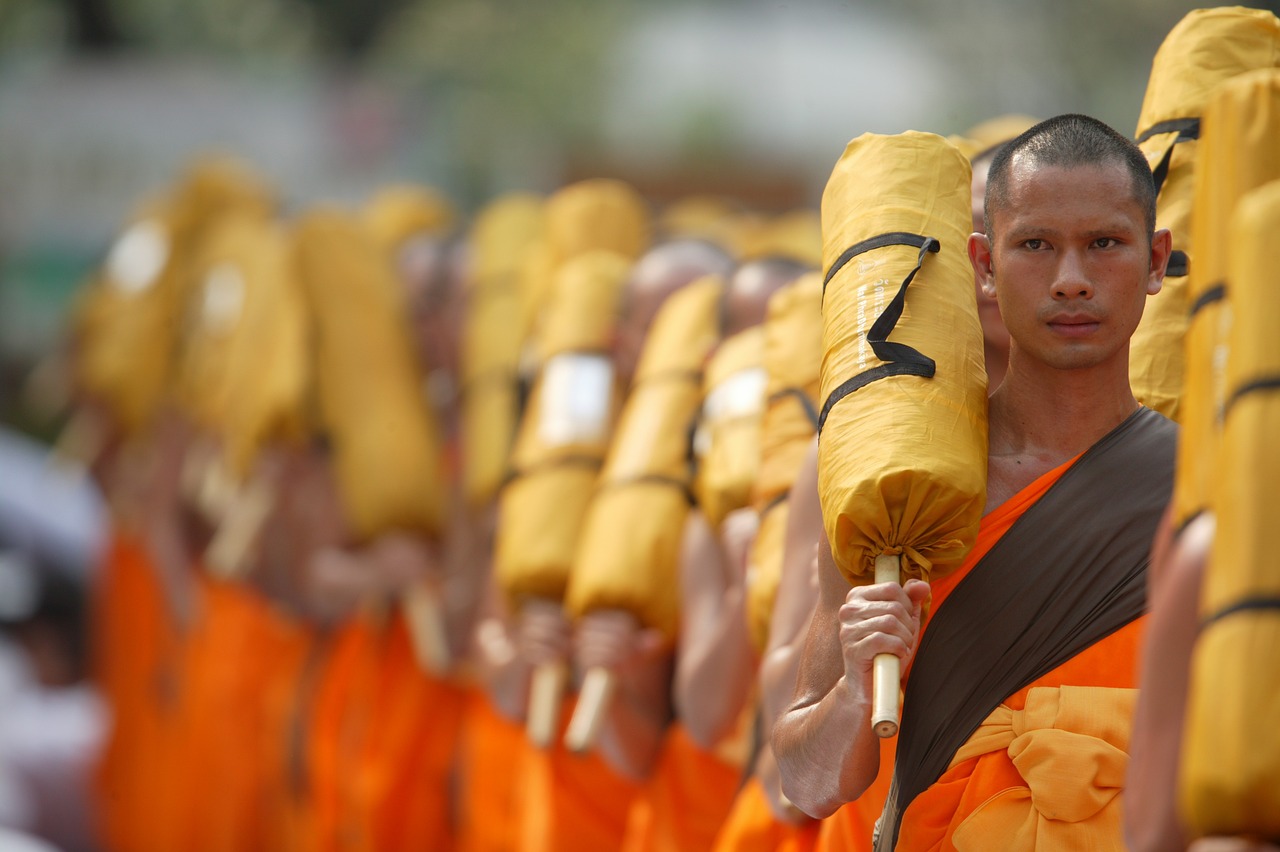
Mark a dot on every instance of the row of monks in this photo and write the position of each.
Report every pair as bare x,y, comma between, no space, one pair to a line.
487,534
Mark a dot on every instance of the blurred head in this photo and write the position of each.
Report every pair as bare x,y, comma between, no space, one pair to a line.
751,285
658,273
432,268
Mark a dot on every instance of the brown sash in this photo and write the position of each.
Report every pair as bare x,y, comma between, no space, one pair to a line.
1068,573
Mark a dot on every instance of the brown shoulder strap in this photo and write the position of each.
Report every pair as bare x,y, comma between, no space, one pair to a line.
1068,573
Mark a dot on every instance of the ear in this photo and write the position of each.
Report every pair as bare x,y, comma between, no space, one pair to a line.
1161,248
984,271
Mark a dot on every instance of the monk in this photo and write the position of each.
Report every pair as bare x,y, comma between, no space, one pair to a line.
582,802
1021,684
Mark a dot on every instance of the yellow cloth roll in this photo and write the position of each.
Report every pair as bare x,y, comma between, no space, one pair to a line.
792,358
1205,48
902,457
796,235
628,556
1237,152
385,441
396,213
565,431
726,441
997,130
501,238
1230,781
702,217
243,372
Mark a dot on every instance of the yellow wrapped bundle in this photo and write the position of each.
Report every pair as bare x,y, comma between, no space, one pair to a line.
703,217
1230,782
385,441
1237,153
726,442
501,238
627,558
792,358
1206,48
396,213
996,131
565,431
795,236
903,456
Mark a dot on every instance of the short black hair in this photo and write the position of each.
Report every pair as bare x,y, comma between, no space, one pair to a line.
1069,141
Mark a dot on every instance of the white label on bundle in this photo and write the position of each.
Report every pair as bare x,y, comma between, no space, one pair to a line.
223,298
138,257
740,395
576,394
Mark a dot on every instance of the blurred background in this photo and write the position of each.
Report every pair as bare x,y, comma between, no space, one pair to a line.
102,101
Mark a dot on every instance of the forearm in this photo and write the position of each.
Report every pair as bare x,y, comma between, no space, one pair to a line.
827,753
637,719
715,672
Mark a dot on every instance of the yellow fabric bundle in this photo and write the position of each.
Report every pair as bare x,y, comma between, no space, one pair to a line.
1230,782
726,443
385,441
244,368
795,236
903,453
396,213
628,556
988,134
501,237
703,217
565,432
792,358
1237,153
1206,48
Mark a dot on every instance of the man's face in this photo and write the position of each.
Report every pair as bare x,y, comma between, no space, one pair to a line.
1070,263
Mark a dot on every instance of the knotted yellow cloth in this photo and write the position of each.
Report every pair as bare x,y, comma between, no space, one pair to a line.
1070,744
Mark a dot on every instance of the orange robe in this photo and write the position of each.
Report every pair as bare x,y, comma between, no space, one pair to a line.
569,802
851,828
990,785
489,795
687,799
383,743
752,827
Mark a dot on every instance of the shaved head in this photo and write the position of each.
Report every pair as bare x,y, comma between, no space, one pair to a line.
750,287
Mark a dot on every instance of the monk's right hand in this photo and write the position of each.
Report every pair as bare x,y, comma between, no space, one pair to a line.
543,633
883,618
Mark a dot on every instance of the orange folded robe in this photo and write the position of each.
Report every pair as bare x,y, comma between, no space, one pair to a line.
851,828
752,827
683,805
990,781
488,793
570,803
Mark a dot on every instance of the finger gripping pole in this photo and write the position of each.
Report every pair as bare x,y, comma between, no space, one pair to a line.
886,668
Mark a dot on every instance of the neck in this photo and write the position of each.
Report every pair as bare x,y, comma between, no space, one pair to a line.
997,361
1054,414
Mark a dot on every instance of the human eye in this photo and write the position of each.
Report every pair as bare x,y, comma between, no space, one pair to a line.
1033,244
1105,242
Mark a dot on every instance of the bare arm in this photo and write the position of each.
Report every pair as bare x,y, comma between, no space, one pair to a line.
826,751
714,660
637,717
1150,801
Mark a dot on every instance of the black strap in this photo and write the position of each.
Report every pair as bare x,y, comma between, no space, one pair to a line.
1178,265
1246,605
1216,293
1188,129
900,359
803,398
1263,383
572,460
653,479
774,503
1068,573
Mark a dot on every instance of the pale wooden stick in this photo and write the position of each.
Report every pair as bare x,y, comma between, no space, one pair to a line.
228,552
425,615
545,697
887,672
588,715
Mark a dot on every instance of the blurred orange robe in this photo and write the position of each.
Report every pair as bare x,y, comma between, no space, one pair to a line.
489,794
683,805
990,781
752,827
569,802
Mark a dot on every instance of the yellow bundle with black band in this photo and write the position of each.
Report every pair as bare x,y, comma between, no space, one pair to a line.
385,441
1230,769
565,432
902,456
501,238
631,537
726,441
1237,153
397,213
1205,48
792,358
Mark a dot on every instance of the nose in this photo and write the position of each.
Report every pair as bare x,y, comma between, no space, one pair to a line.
1072,280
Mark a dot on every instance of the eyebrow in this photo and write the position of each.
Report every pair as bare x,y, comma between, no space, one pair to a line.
1109,229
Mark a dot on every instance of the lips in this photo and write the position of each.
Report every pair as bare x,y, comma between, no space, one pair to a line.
1074,325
